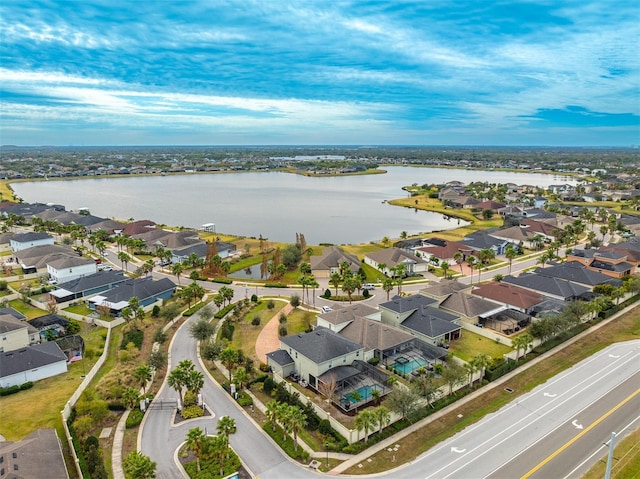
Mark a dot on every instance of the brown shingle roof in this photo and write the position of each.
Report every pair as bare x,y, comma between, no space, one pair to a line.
509,294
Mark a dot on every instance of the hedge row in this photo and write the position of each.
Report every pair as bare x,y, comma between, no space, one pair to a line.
222,281
15,389
194,309
223,312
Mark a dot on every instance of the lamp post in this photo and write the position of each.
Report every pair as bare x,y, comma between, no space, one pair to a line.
326,447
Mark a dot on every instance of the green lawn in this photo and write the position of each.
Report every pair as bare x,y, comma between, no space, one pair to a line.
299,321
246,334
80,308
46,398
472,344
29,311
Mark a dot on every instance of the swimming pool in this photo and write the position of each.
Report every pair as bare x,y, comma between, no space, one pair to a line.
364,391
407,366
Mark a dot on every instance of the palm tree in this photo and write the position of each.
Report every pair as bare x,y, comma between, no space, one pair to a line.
195,440
523,342
130,397
124,258
297,419
335,281
176,380
349,286
272,412
458,258
470,368
471,261
387,286
229,356
445,267
142,374
365,420
510,253
382,415
225,427
177,270
482,363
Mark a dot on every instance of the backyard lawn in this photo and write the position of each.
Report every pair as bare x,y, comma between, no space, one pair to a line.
471,344
17,424
29,311
80,308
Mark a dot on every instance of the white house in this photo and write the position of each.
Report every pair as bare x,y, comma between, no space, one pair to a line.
29,240
68,268
392,257
31,363
16,334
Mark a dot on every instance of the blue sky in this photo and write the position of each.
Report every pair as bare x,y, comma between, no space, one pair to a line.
425,72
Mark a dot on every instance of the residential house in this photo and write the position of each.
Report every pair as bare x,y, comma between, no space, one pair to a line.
36,456
576,273
470,308
5,241
67,268
168,239
510,296
146,290
221,248
87,286
16,334
35,258
137,227
549,286
519,235
442,290
482,239
420,316
609,262
315,353
23,241
392,257
50,324
31,363
444,250
329,262
490,205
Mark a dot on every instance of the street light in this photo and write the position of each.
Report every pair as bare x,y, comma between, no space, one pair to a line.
326,447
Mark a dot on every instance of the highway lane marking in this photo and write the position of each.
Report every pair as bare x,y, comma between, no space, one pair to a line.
550,395
581,433
580,386
604,445
576,424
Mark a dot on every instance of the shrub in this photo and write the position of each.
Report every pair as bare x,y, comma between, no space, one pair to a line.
282,318
327,293
268,385
3,285
134,336
223,312
282,331
155,312
254,298
275,285
244,399
226,332
9,390
374,361
134,418
192,412
116,406
256,321
295,300
221,281
366,294
25,386
325,427
271,304
160,336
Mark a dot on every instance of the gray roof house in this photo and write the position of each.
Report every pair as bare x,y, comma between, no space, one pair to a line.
315,353
575,272
471,307
36,456
480,240
392,257
27,240
36,257
146,290
31,363
88,285
16,334
555,287
329,262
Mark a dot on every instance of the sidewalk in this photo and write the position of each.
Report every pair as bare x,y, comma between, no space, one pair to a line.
269,340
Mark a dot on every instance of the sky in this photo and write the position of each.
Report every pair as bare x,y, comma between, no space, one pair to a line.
330,72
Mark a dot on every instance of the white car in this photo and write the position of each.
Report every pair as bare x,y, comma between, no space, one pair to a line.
326,309
368,286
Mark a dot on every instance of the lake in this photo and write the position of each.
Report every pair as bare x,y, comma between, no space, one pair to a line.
338,210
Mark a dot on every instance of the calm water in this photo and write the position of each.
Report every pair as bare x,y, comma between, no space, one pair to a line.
339,210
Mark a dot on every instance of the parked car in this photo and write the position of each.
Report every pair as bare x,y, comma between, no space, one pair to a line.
368,286
326,309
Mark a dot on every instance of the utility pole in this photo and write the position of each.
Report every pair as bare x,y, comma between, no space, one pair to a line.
607,474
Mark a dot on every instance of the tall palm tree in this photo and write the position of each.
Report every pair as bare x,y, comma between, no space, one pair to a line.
471,261
143,375
458,258
297,419
195,441
510,253
176,380
177,270
124,258
382,415
225,427
349,286
335,281
387,286
272,412
365,420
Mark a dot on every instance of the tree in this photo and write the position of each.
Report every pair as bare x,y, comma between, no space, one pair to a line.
387,286
458,258
349,286
335,281
365,420
403,401
445,267
176,380
143,375
271,412
382,415
138,466
195,441
471,261
201,329
229,356
240,377
225,427
296,419
482,362
124,258
227,293
510,253
328,387
130,397
177,269
522,341
453,375
194,381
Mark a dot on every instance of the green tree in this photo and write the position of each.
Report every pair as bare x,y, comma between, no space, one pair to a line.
403,401
365,420
138,466
335,281
201,329
453,375
296,419
349,286
229,357
124,258
387,286
130,397
194,443
143,375
177,270
510,253
382,415
522,341
225,427
459,259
